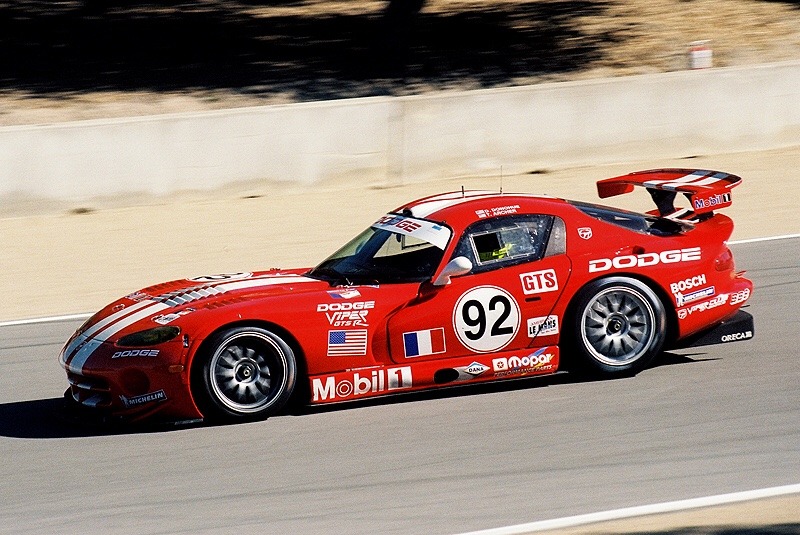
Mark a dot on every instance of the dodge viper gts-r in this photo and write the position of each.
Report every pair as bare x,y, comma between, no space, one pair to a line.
453,289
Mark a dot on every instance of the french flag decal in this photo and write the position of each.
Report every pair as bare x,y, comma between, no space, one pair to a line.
422,343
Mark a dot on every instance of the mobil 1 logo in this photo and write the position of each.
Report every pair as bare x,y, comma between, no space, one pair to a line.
486,318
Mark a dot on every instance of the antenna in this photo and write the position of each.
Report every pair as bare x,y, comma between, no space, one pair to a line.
501,180
462,191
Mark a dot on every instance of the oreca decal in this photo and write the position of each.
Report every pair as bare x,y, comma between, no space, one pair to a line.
486,318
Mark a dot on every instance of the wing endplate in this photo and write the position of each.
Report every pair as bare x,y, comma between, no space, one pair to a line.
706,190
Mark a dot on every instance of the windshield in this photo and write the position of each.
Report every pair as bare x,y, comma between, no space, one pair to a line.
394,249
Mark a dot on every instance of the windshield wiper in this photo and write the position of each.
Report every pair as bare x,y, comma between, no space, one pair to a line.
328,274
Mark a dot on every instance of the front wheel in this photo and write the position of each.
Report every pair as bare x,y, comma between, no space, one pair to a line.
618,326
244,373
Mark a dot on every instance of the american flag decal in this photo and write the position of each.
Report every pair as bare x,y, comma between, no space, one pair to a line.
347,343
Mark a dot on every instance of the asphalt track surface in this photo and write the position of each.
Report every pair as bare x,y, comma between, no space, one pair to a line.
700,422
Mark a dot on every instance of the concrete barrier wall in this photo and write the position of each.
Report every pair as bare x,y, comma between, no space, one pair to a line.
393,140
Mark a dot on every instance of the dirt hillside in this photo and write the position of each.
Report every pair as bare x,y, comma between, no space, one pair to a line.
73,60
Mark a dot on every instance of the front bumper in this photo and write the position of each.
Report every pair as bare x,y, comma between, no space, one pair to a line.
151,384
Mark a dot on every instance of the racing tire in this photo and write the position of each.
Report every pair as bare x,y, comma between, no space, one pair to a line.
243,373
618,326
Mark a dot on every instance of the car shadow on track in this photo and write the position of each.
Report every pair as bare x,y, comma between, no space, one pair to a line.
49,419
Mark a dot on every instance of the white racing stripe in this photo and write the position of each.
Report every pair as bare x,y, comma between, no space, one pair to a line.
426,208
642,510
101,324
108,327
699,178
256,283
76,364
681,181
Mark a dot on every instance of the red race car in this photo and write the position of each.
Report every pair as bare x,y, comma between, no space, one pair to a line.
458,288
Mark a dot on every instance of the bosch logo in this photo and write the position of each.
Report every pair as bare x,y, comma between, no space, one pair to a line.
687,284
737,336
689,254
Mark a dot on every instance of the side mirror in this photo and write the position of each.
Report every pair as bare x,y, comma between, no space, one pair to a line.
456,267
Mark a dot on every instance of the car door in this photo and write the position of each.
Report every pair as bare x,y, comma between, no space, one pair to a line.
519,271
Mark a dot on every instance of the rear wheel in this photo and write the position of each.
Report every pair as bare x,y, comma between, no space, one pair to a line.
618,326
245,373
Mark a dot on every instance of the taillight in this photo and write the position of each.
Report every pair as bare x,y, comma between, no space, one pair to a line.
724,262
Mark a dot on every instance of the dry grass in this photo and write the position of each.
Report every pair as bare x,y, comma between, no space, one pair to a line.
58,63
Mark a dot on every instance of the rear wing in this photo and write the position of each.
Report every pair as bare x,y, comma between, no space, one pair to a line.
706,190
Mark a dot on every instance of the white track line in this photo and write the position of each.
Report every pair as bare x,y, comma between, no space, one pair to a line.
50,319
53,319
769,238
629,512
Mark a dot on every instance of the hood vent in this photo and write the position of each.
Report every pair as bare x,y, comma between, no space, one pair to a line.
181,297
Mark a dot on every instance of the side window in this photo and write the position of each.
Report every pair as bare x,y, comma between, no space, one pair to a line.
557,243
503,241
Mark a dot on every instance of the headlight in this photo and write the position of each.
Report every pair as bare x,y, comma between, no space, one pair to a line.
150,337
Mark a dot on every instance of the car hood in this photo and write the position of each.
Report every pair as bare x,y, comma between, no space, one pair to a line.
164,304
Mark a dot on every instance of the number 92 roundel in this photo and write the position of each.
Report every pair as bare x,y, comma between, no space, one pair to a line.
486,318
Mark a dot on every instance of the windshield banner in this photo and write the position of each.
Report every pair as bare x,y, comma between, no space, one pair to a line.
428,231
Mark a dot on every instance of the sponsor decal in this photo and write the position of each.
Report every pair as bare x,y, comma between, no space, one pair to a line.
740,297
476,368
347,343
537,282
418,228
500,210
138,296
136,353
344,293
486,318
351,318
713,200
719,300
144,398
335,307
164,319
544,326
585,233
734,337
689,254
400,222
345,386
221,277
687,284
682,299
537,361
423,343
347,314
